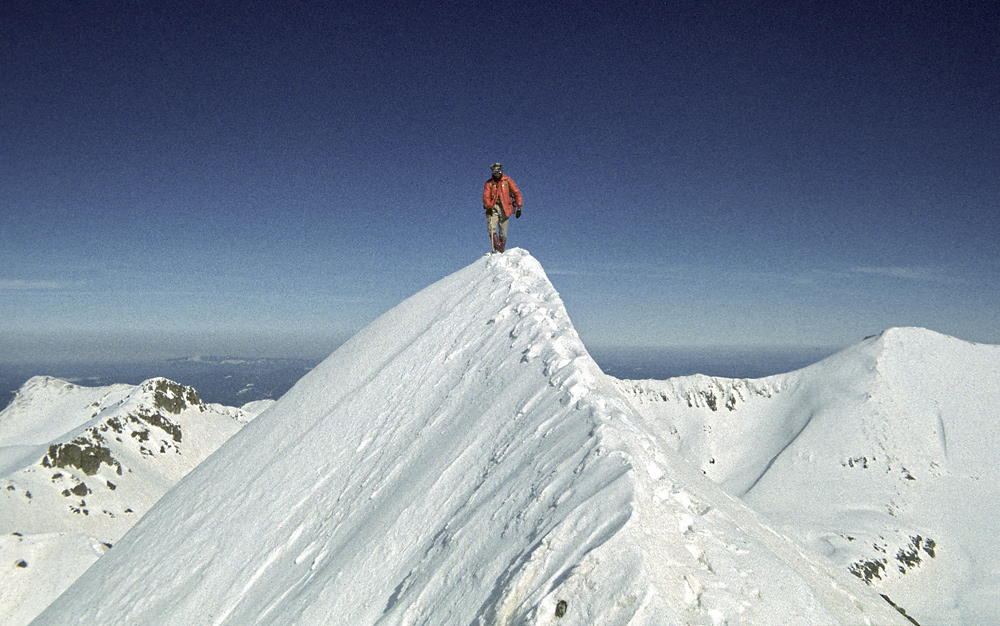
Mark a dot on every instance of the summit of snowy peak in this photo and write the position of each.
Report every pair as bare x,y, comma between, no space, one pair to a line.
921,367
170,396
39,390
909,334
910,355
41,384
939,396
45,407
896,346
461,460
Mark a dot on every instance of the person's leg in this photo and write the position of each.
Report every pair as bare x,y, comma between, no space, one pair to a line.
491,227
503,231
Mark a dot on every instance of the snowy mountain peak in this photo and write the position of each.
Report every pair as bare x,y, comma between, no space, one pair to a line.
45,408
461,460
80,465
170,396
910,335
883,456
42,384
114,436
898,346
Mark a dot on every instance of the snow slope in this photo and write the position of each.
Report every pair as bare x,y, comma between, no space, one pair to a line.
883,457
80,465
45,408
462,460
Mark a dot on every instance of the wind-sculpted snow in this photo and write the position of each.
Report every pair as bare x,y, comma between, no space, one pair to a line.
460,461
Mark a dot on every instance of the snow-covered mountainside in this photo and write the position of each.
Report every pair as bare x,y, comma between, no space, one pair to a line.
883,457
461,461
80,465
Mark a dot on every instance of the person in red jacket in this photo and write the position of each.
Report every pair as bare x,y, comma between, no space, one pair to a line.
501,199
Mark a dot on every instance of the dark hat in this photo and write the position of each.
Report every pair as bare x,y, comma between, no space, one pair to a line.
496,167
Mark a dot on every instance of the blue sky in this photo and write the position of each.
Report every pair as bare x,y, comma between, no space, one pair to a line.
265,178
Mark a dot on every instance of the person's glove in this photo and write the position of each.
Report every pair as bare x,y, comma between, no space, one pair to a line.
517,215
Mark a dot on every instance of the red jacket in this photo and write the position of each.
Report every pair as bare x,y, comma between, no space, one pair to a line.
501,190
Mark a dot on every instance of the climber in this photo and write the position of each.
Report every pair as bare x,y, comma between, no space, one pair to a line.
501,199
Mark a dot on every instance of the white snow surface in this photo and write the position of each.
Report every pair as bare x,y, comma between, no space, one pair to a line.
463,460
80,465
883,458
45,408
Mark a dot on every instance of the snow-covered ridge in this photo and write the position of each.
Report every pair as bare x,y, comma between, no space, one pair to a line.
882,457
700,391
80,465
462,460
45,408
709,420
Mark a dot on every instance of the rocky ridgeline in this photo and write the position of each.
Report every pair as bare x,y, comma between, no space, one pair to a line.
139,423
699,391
88,451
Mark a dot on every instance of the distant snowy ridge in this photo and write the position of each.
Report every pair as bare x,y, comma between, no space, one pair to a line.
462,460
883,457
80,465
45,408
683,410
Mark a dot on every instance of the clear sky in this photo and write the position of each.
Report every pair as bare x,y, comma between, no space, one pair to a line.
264,178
